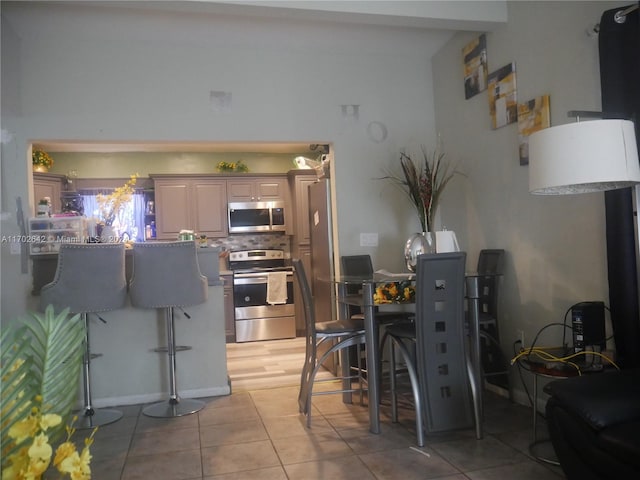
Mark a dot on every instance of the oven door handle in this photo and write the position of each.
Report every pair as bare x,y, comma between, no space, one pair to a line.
255,279
249,280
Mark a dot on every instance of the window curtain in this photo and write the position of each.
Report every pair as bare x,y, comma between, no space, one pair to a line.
130,222
619,45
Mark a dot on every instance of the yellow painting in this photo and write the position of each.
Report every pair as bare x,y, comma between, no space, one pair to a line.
533,115
474,56
503,107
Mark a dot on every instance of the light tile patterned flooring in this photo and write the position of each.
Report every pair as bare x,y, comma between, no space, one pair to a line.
257,433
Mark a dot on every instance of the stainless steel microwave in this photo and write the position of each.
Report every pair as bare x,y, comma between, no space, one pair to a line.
248,217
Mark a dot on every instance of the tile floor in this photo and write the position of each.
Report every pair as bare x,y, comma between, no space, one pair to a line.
257,433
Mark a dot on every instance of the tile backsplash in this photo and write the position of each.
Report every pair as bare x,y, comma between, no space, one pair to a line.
254,241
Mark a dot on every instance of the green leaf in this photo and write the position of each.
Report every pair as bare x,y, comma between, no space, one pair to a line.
52,349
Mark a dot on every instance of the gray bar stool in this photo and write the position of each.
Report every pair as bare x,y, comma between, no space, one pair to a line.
166,275
89,278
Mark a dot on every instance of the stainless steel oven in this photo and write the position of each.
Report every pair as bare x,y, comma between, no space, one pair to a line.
256,319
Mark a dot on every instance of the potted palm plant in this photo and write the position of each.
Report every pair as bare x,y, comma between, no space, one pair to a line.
40,364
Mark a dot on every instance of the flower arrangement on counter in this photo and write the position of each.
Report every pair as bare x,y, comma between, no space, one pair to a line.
394,292
111,205
41,160
40,364
238,166
423,182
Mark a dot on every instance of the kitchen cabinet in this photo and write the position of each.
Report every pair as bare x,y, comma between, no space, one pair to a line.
257,189
229,310
195,203
48,185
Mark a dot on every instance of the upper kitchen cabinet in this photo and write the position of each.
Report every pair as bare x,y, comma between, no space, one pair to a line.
48,185
257,189
197,203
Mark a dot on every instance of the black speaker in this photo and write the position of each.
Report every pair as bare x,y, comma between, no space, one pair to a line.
588,325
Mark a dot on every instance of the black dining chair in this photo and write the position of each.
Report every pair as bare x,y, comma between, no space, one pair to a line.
495,365
344,334
362,266
434,350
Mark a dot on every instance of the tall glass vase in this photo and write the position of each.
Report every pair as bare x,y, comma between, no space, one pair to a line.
430,238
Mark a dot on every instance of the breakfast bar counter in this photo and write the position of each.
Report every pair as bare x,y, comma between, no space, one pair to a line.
131,372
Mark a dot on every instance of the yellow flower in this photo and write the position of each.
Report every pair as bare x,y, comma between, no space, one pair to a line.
49,420
19,464
110,205
64,450
39,456
23,429
40,448
77,466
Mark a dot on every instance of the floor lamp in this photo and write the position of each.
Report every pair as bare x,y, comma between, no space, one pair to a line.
583,157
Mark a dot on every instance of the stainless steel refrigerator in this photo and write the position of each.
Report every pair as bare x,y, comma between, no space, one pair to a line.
322,255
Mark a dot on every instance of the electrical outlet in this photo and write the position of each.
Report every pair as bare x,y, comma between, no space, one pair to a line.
520,334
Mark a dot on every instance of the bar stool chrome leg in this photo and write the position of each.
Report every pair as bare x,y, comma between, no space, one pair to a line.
91,417
175,406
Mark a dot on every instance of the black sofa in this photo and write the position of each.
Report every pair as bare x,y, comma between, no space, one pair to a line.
594,424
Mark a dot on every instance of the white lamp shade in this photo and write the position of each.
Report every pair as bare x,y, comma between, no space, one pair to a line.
583,157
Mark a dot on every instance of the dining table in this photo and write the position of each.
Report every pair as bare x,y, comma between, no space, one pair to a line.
366,301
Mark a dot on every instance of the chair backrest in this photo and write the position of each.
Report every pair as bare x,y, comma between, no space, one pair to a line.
307,299
491,262
490,266
90,277
356,265
166,274
440,340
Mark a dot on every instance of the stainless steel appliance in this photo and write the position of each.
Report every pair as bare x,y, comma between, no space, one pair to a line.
255,318
322,257
248,217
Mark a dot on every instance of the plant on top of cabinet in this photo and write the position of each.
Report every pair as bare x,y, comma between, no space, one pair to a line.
238,166
41,160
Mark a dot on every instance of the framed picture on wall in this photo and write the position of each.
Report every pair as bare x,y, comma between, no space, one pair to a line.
503,107
474,56
533,115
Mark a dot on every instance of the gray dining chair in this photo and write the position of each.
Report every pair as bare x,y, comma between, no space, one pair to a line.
343,333
434,351
166,275
89,279
495,365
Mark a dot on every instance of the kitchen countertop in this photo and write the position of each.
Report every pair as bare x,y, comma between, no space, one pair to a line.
44,267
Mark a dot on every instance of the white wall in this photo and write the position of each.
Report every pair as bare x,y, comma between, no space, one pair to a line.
84,73
555,245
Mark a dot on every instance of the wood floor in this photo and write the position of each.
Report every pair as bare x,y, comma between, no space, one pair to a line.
266,364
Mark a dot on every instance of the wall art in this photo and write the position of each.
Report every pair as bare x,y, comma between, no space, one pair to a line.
503,107
533,115
474,56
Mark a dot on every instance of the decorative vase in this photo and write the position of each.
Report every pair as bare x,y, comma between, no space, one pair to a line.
40,168
430,237
417,244
108,234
